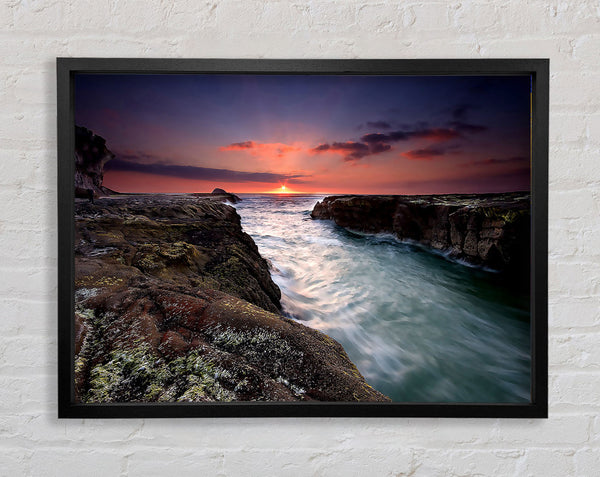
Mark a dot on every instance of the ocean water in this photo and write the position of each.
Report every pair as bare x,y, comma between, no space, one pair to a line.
419,327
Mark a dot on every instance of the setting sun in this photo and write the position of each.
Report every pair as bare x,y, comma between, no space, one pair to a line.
283,189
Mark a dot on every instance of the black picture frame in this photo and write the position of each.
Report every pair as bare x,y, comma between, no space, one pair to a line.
67,68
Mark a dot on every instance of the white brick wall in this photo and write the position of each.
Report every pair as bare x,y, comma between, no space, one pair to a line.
33,33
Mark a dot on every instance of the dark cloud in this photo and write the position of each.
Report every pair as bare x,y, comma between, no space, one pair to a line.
241,145
377,143
375,138
378,125
459,121
435,134
425,154
499,160
140,157
201,173
379,147
354,151
349,146
321,148
467,127
459,112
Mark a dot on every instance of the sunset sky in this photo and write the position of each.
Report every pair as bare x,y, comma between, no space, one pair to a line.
311,134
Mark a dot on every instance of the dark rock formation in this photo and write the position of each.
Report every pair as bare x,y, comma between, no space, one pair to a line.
174,303
91,154
221,195
492,230
178,240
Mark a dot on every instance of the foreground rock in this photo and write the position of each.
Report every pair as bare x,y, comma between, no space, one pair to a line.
492,230
174,303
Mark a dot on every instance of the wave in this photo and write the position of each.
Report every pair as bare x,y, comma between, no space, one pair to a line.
412,319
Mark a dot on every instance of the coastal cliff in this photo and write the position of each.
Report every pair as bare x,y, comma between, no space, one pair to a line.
491,230
91,154
174,303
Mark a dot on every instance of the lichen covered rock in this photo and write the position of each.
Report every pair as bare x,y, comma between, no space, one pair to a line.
175,304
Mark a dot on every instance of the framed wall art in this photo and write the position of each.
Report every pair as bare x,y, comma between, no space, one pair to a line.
352,238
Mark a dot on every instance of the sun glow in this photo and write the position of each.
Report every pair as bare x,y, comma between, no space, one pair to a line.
283,189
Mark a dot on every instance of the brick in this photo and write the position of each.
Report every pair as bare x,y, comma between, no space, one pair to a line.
32,317
333,16
27,354
578,279
559,430
190,463
567,128
547,462
564,241
579,351
21,395
467,462
576,165
587,461
576,389
103,432
484,15
574,312
15,461
74,462
90,16
517,45
573,204
595,432
379,17
593,128
432,16
586,92
322,462
44,15
585,50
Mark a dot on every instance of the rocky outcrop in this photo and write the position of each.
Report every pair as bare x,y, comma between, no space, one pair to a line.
492,230
221,195
174,303
91,154
179,240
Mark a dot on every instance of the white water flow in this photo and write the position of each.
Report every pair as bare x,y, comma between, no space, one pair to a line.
419,327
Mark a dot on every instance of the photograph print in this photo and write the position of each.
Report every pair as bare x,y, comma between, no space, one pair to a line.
302,238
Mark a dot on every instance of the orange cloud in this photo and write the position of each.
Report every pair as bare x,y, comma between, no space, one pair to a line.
270,149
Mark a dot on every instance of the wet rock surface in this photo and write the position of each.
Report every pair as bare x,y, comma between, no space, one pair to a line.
174,303
492,230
